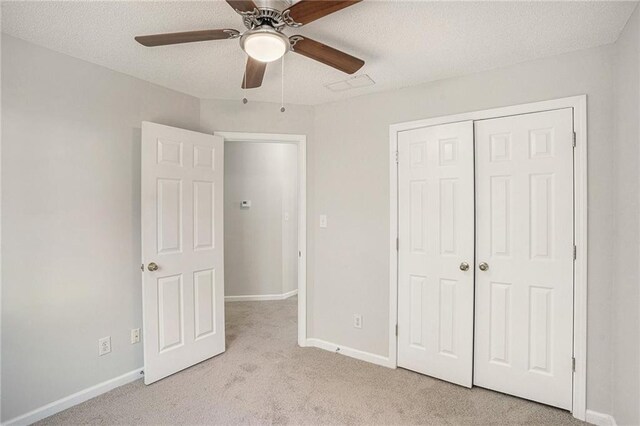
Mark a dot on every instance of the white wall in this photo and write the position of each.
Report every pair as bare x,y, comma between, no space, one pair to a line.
71,219
626,291
260,242
351,177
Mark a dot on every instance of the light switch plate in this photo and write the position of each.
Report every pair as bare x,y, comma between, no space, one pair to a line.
323,221
135,335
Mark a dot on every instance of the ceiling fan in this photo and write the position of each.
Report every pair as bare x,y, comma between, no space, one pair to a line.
264,42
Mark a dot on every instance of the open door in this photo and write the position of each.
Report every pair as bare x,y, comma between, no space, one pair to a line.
182,249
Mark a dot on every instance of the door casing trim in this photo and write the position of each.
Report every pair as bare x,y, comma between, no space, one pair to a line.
579,105
301,142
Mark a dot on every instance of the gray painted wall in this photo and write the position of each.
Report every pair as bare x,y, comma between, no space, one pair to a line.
626,291
351,255
260,242
71,219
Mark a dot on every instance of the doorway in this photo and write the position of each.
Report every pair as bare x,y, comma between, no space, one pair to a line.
488,213
265,219
182,216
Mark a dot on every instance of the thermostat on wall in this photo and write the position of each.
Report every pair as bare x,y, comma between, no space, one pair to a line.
245,204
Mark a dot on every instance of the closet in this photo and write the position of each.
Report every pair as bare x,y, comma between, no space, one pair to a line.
486,253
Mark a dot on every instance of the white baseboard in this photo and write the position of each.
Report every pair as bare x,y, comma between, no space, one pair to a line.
75,399
353,353
600,419
260,297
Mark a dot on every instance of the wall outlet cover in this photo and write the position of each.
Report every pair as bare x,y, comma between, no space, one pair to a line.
357,320
104,345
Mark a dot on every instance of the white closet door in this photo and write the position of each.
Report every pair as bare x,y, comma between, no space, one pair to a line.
182,249
524,300
435,293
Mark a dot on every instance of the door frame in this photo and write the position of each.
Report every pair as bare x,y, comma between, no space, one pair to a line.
579,105
301,142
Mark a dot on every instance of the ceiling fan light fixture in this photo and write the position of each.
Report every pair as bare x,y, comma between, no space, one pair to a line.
264,45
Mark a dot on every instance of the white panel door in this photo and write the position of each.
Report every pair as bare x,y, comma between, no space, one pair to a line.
524,300
182,208
435,292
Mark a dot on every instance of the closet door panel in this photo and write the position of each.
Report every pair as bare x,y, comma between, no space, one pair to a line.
435,296
524,220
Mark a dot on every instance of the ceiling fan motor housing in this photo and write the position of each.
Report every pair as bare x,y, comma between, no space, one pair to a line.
263,16
273,4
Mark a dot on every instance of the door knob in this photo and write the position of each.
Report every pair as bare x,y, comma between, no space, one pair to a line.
483,266
152,267
464,266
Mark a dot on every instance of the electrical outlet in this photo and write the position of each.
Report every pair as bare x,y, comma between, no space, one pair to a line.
357,320
135,335
104,345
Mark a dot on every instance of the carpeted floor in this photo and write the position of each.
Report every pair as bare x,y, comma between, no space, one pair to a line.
265,378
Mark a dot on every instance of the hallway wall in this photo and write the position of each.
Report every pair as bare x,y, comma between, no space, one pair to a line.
261,248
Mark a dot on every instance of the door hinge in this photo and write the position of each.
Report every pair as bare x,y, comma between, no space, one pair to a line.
575,252
396,329
397,156
397,244
574,139
573,364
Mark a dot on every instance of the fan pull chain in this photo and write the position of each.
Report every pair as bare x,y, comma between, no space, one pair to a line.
282,92
244,87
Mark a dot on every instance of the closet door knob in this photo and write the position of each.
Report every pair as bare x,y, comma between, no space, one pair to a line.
483,266
464,266
152,267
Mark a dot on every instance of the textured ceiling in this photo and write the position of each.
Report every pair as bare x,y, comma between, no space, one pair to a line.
403,43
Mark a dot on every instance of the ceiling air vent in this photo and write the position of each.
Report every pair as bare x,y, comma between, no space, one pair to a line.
361,80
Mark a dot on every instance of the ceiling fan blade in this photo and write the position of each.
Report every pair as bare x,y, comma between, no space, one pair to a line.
253,73
242,5
186,37
325,54
306,11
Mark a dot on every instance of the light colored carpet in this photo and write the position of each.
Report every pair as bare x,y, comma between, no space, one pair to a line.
264,378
